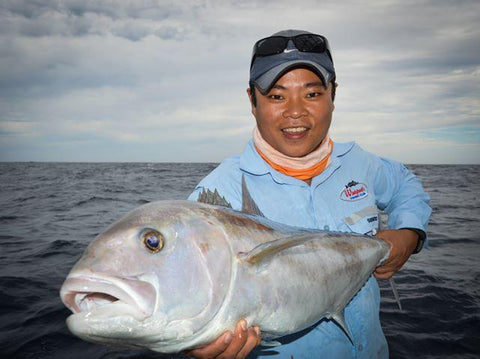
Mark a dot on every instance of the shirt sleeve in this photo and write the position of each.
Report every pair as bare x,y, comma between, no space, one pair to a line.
400,194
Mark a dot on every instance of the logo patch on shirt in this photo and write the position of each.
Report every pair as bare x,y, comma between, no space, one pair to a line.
354,191
372,219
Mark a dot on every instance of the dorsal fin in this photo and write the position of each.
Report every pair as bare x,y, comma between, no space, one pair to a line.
262,253
248,204
209,197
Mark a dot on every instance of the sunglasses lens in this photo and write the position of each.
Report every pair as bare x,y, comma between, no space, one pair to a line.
309,43
271,46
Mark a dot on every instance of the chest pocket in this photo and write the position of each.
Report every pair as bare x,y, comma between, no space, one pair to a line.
363,221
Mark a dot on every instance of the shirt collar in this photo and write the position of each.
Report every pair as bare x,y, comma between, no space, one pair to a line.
251,162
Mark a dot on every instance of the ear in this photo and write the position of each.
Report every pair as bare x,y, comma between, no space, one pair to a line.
334,93
250,97
249,93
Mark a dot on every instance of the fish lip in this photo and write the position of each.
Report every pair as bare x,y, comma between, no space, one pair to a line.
138,294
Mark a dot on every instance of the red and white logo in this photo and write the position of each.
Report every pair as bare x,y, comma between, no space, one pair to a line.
354,191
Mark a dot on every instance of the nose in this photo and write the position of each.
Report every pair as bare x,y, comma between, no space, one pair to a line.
295,108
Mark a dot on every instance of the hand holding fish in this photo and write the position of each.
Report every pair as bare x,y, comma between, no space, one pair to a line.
403,242
230,345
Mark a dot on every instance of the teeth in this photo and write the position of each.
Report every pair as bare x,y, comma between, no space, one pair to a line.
295,129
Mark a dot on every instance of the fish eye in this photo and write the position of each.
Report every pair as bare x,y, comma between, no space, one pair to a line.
153,240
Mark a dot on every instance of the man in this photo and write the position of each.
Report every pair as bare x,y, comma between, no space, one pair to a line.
298,176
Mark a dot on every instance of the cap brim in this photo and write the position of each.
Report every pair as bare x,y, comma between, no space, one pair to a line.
266,81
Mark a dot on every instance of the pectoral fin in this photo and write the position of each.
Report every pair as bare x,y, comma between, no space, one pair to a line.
264,252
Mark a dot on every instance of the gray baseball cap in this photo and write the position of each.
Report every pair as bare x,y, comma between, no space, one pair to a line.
266,70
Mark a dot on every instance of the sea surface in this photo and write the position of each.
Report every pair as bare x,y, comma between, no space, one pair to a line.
49,212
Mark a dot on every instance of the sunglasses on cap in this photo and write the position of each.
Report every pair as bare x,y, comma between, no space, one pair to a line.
274,45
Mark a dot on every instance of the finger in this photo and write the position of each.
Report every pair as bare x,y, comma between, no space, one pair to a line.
386,264
259,335
383,275
253,339
239,340
387,269
213,349
392,264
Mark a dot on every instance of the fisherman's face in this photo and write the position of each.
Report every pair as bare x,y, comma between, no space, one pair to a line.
294,117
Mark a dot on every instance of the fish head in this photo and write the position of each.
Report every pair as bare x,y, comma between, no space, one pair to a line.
154,279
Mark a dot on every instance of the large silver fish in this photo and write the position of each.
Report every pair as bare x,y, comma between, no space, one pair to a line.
173,275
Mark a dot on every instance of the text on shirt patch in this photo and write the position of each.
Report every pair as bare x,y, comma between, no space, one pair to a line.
354,191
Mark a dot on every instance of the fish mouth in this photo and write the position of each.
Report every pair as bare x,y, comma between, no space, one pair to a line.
92,295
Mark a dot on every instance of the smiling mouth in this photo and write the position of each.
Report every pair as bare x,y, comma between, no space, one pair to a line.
295,133
294,129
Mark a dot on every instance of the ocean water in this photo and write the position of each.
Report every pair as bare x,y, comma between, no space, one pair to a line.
49,212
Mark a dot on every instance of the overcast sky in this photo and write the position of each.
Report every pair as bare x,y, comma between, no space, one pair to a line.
164,81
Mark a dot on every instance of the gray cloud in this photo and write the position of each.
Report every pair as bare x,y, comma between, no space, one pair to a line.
141,9
172,75
132,20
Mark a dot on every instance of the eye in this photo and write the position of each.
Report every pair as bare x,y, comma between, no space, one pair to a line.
314,94
276,97
153,240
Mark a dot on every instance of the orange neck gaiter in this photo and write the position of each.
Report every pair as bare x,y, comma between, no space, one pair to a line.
303,168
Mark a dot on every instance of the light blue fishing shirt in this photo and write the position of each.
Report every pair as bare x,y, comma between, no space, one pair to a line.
347,196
